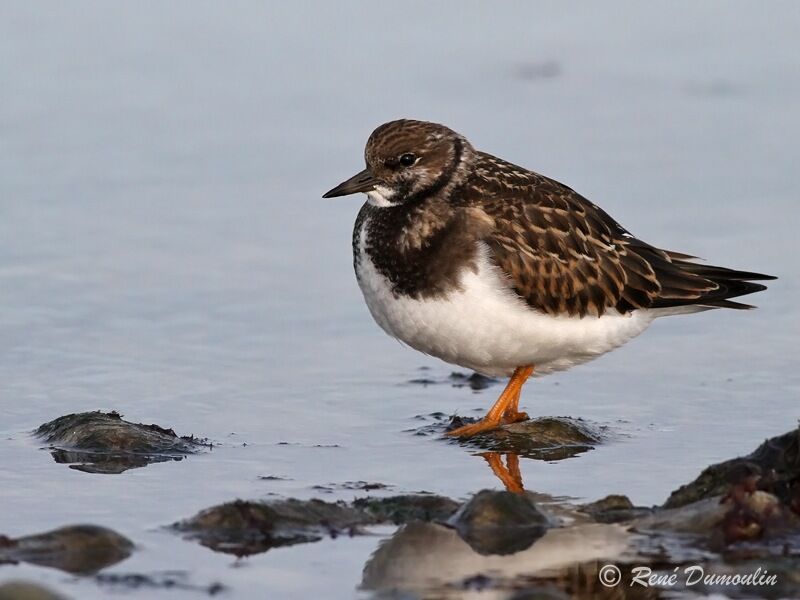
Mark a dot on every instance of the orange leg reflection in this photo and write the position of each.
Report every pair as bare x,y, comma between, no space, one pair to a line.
509,473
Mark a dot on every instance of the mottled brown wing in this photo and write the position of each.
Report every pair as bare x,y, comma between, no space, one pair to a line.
564,255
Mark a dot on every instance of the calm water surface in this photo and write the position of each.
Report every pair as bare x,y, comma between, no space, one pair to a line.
165,251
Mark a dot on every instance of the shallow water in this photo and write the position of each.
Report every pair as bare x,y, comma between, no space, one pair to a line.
166,253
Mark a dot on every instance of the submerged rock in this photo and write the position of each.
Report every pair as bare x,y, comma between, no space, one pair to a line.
614,509
475,381
494,522
78,549
97,442
167,580
543,438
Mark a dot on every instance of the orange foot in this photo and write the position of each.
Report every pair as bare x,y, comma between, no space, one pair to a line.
487,424
505,410
515,417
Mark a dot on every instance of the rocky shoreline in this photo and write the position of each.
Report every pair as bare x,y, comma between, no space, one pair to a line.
738,516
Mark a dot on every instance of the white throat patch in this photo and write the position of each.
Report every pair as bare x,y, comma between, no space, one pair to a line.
380,196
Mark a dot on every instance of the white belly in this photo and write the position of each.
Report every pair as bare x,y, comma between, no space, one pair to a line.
486,327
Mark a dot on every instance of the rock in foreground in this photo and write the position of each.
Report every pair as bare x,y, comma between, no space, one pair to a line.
23,590
499,522
775,464
244,527
740,517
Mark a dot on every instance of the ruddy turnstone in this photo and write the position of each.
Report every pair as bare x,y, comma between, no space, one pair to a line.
484,264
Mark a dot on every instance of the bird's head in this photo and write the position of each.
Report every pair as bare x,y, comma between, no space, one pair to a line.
408,160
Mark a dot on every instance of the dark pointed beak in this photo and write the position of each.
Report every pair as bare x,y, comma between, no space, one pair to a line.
361,182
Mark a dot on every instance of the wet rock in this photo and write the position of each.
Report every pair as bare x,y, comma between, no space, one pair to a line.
23,590
614,509
407,508
747,499
700,517
494,522
543,438
738,517
78,549
775,464
754,514
97,442
243,528
745,513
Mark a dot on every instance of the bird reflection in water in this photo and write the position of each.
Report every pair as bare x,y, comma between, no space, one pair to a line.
508,473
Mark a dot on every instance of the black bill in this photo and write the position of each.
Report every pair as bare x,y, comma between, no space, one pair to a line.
361,182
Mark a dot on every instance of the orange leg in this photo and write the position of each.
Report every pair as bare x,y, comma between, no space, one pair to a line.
505,410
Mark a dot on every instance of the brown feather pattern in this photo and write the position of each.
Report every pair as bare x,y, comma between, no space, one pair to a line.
565,255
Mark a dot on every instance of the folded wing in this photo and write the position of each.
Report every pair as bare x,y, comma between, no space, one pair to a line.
565,255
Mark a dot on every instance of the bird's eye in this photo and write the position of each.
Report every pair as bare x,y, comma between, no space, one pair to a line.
407,159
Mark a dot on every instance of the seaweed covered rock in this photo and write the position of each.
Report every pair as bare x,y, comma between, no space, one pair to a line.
744,498
775,464
245,527
98,442
78,549
543,438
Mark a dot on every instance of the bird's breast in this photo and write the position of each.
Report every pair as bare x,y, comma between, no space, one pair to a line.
482,324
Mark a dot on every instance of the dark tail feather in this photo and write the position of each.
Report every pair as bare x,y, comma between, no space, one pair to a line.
712,272
732,284
685,282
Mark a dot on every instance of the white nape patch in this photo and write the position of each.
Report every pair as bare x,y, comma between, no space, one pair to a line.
380,196
486,327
